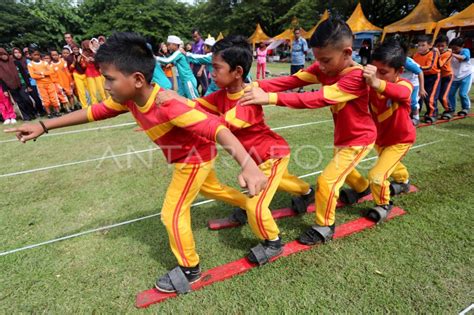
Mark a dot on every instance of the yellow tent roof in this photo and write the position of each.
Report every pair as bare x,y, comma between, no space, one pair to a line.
220,36
258,36
309,33
462,19
359,23
423,18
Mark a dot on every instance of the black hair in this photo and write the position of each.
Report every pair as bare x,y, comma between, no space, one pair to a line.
236,51
442,39
129,53
51,50
423,38
330,32
195,30
458,41
391,53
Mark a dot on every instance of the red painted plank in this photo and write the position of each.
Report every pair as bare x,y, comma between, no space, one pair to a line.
220,273
224,223
441,121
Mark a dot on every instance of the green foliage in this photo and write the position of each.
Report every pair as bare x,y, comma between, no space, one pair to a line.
44,21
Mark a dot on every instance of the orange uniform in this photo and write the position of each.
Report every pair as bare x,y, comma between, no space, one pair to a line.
41,72
430,66
447,78
62,75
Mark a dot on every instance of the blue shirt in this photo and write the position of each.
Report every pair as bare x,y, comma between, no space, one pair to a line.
298,51
160,78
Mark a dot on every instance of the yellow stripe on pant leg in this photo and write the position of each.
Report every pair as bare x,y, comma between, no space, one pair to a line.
332,179
81,87
387,162
293,185
176,212
258,213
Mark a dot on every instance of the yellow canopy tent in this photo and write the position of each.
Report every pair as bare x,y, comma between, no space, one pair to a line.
220,36
463,19
324,17
359,23
288,34
423,18
258,36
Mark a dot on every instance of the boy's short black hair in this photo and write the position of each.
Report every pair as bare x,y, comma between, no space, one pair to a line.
458,41
423,38
390,53
442,39
129,53
332,31
236,51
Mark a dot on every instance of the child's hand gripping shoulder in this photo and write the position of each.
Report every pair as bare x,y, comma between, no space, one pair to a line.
254,96
370,77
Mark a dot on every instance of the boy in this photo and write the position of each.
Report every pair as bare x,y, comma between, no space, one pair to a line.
185,135
62,77
444,63
55,79
205,60
427,58
231,61
390,106
345,91
187,82
462,69
414,74
41,72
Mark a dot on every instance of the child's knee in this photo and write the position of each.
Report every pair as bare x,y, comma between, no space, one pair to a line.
375,177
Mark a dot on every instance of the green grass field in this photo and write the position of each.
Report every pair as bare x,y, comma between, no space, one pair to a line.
419,263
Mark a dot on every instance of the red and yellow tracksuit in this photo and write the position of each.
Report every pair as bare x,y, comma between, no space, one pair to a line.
95,82
78,70
186,137
446,78
269,151
354,135
390,107
429,64
41,72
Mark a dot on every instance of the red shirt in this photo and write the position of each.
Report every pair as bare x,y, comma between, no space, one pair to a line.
247,123
347,94
184,134
390,106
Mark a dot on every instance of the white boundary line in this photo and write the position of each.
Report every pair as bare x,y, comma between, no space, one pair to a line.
4,253
45,168
75,131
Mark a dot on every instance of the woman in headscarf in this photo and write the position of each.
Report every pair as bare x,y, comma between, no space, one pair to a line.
16,85
19,57
94,80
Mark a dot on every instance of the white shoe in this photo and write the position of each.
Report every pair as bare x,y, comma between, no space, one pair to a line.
6,122
13,121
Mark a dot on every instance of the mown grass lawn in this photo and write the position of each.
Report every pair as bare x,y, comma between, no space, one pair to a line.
421,262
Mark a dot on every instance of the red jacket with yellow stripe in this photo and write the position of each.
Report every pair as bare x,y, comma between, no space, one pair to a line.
184,133
347,94
247,123
390,107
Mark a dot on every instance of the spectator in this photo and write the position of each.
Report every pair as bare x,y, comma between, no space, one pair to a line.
199,71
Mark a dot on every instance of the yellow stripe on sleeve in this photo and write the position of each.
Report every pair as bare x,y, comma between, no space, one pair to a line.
208,105
231,118
110,103
90,117
306,76
189,118
333,93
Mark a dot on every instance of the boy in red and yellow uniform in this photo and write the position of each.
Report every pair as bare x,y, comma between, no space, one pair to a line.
41,72
427,58
231,61
447,77
345,91
185,135
390,107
